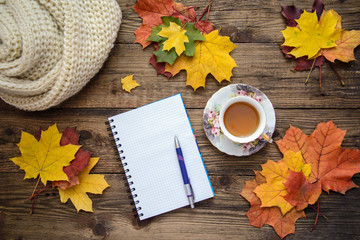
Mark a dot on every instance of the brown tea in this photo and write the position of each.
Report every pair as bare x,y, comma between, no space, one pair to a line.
241,119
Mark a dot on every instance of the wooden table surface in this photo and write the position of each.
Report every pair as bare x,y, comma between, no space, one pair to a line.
255,28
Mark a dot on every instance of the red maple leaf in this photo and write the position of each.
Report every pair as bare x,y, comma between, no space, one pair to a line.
291,13
301,193
305,64
70,136
82,157
331,165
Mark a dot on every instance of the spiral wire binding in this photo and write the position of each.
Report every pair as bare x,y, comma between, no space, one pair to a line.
127,177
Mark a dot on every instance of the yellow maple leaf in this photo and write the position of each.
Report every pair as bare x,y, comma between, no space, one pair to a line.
295,162
311,35
272,194
45,157
276,174
128,83
211,56
89,183
176,38
274,171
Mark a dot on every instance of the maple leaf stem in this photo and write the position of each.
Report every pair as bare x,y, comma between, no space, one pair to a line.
320,76
185,17
38,192
208,12
338,75
32,206
317,216
34,196
207,9
312,67
35,187
324,216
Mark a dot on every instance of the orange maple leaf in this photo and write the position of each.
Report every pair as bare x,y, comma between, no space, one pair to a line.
258,216
301,193
331,165
151,13
344,51
248,191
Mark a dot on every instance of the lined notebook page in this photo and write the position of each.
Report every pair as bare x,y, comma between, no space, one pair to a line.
146,135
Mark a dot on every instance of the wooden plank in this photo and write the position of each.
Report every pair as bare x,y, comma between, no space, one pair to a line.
222,217
94,136
260,65
257,21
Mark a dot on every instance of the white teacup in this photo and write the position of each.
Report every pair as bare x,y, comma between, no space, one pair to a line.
261,114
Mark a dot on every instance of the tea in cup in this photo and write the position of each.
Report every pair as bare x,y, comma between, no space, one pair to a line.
242,119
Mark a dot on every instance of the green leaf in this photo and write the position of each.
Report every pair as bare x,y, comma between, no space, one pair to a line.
154,37
165,56
166,20
194,35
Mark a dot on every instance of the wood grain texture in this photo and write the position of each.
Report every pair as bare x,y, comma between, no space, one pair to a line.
255,28
94,135
222,217
260,65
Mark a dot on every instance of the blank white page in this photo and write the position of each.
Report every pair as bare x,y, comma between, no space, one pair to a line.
146,135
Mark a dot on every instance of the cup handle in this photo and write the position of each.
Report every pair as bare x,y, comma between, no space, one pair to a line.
267,138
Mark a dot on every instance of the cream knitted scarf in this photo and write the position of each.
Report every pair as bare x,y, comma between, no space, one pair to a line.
49,49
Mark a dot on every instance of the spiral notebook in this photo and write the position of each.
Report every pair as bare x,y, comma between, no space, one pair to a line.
145,140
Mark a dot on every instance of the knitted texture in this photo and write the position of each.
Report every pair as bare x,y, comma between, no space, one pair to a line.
49,49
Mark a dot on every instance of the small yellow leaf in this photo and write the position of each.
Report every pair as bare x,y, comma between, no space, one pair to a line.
89,183
211,56
128,83
45,157
176,38
312,35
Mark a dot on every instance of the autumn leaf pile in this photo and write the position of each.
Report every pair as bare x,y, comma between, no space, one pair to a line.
283,189
58,158
314,37
183,41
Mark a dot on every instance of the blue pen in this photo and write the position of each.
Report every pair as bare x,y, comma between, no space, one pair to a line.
184,174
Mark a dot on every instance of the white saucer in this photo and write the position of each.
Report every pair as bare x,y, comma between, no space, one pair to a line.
212,112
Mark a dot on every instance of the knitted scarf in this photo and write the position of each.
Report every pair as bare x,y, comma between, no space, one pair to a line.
49,49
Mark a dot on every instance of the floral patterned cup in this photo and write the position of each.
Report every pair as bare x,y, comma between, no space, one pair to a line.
212,125
259,109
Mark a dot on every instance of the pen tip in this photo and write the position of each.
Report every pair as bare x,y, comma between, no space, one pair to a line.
177,144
